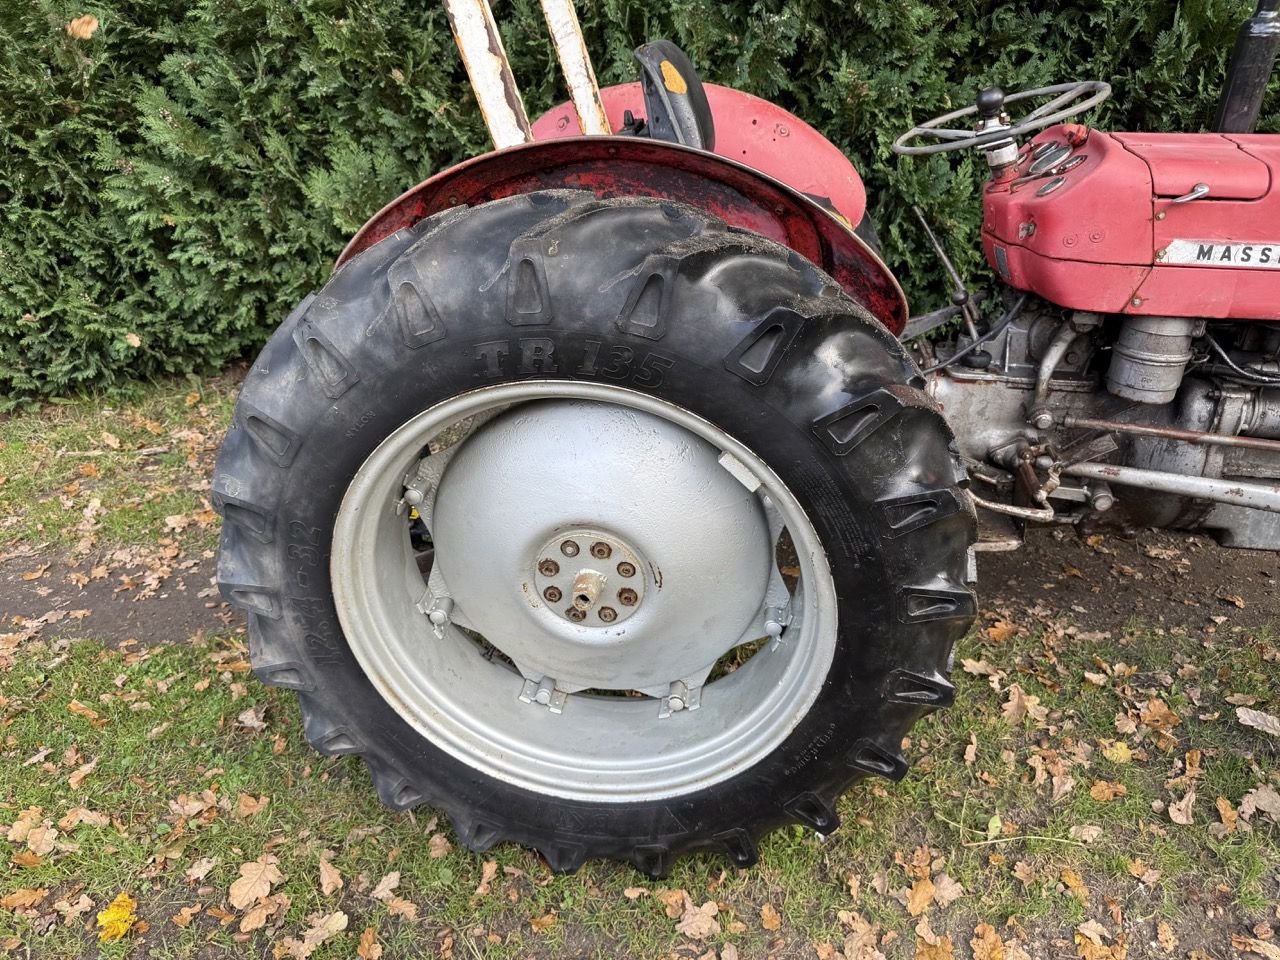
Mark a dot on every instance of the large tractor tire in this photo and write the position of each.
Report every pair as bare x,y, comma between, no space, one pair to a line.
598,525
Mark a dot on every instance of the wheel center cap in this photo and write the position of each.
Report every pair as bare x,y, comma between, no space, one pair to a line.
656,555
590,578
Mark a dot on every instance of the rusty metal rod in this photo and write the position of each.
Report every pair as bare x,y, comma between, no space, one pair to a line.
575,64
1172,433
1240,493
480,44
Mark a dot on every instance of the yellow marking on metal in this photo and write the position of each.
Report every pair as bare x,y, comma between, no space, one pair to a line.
671,78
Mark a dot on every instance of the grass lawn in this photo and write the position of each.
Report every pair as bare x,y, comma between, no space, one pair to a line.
1091,794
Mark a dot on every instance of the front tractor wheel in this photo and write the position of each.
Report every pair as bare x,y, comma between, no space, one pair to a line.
598,525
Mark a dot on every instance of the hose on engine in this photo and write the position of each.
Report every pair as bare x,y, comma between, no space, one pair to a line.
1246,374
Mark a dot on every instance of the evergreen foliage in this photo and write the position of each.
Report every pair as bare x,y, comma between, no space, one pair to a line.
173,184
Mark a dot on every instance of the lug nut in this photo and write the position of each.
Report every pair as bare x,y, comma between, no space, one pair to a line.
574,614
569,548
552,594
627,597
601,551
548,568
626,569
608,614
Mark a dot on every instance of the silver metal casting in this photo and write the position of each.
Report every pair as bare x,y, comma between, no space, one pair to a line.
609,710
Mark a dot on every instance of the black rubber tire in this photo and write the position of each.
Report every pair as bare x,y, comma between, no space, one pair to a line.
667,300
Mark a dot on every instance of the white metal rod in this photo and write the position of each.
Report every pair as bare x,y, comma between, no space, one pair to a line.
480,44
575,64
1240,493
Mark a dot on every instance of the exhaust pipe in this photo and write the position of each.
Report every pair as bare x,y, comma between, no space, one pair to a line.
1250,68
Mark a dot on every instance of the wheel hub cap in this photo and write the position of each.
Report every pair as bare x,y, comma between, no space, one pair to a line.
539,515
590,578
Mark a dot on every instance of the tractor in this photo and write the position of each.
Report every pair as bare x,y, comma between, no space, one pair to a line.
608,499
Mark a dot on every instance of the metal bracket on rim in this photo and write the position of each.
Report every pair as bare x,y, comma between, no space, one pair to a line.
681,696
545,693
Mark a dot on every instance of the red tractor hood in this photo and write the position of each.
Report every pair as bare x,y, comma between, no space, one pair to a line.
1106,233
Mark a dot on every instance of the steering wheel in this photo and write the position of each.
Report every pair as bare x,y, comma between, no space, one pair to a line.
1069,99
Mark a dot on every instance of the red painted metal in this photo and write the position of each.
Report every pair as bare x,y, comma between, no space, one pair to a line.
751,131
1095,242
637,166
1179,161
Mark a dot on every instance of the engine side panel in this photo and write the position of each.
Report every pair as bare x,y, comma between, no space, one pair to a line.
1109,238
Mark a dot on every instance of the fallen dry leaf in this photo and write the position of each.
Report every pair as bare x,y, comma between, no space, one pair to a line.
386,885
1259,720
920,897
78,815
770,919
1075,885
1254,945
1105,791
369,947
37,573
1157,715
255,918
72,910
184,916
487,873
1022,705
698,923
323,927
118,918
1180,812
1085,833
543,922
631,893
330,878
400,907
1165,935
81,772
930,945
673,902
1117,751
439,846
200,869
255,882
247,805
23,898
986,943
946,891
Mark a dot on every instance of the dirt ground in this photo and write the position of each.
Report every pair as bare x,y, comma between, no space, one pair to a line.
1101,581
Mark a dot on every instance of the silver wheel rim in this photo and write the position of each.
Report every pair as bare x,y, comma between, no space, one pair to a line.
540,462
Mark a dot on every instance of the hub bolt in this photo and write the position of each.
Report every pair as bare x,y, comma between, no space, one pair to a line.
548,568
601,551
627,597
569,548
608,614
552,594
574,614
626,569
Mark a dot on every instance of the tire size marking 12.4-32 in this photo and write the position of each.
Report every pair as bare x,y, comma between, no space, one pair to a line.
542,356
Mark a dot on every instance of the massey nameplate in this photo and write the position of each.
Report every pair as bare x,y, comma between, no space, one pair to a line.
1211,253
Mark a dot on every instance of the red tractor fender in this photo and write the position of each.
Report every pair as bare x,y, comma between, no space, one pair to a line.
637,166
749,130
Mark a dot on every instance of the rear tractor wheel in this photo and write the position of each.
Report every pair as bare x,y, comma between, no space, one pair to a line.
599,526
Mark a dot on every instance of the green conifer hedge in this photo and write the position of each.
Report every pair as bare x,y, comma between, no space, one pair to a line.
172,184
